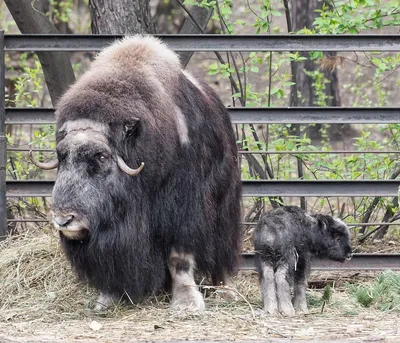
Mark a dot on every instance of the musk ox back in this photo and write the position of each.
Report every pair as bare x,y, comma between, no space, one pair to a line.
148,186
284,241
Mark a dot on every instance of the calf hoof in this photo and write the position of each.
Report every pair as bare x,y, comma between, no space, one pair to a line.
301,308
287,311
304,311
188,299
271,310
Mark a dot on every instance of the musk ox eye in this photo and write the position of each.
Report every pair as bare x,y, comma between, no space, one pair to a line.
102,158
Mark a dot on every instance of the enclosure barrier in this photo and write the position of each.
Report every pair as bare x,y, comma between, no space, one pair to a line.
298,115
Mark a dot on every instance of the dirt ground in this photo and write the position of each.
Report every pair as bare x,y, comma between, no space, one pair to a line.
341,321
41,301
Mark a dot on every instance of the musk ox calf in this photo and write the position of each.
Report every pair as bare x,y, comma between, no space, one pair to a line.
148,187
284,241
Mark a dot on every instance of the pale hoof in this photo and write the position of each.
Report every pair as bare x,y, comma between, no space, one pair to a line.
271,311
271,307
103,302
301,308
288,312
188,299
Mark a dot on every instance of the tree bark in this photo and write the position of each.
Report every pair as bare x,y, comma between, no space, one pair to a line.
56,66
121,17
303,14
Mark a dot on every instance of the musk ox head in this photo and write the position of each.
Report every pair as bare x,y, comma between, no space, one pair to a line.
89,185
107,122
337,238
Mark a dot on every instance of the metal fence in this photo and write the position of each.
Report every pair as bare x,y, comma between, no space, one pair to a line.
301,115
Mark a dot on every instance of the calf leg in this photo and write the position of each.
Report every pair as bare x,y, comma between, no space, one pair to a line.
268,289
185,294
282,278
300,287
300,300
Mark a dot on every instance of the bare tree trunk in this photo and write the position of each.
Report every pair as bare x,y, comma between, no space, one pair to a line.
120,16
303,14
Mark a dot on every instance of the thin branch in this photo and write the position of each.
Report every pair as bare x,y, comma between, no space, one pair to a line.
376,201
393,219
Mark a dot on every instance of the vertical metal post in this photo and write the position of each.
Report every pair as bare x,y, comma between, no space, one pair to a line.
3,141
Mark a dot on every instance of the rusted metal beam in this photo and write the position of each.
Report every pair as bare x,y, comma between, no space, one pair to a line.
358,262
257,188
271,115
215,42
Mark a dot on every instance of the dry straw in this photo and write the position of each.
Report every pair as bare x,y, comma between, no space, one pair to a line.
40,297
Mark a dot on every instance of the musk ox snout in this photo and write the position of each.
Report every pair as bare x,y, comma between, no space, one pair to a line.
63,220
71,225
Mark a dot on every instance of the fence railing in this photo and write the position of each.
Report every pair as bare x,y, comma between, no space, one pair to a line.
300,115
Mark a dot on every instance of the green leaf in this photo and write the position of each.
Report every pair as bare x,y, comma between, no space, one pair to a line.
274,90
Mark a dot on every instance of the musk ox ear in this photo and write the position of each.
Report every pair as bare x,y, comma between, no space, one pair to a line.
323,224
131,127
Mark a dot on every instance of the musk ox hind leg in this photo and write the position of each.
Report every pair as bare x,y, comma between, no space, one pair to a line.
268,288
185,293
282,279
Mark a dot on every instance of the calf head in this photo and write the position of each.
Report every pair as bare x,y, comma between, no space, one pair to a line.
336,237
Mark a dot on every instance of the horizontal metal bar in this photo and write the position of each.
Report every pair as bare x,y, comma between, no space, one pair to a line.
27,220
315,115
243,223
258,188
312,152
27,150
39,116
269,152
315,188
358,262
270,115
349,224
215,42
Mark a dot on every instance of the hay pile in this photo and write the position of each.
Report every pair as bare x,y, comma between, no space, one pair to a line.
36,280
41,301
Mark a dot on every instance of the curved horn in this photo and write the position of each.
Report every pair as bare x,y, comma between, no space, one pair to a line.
43,165
126,169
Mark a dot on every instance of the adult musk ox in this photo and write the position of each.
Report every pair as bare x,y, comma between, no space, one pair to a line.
148,187
284,241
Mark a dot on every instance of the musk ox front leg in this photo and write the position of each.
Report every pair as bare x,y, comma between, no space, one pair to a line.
104,301
185,294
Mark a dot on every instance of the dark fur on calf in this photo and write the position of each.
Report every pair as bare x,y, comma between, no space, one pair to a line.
187,197
284,241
